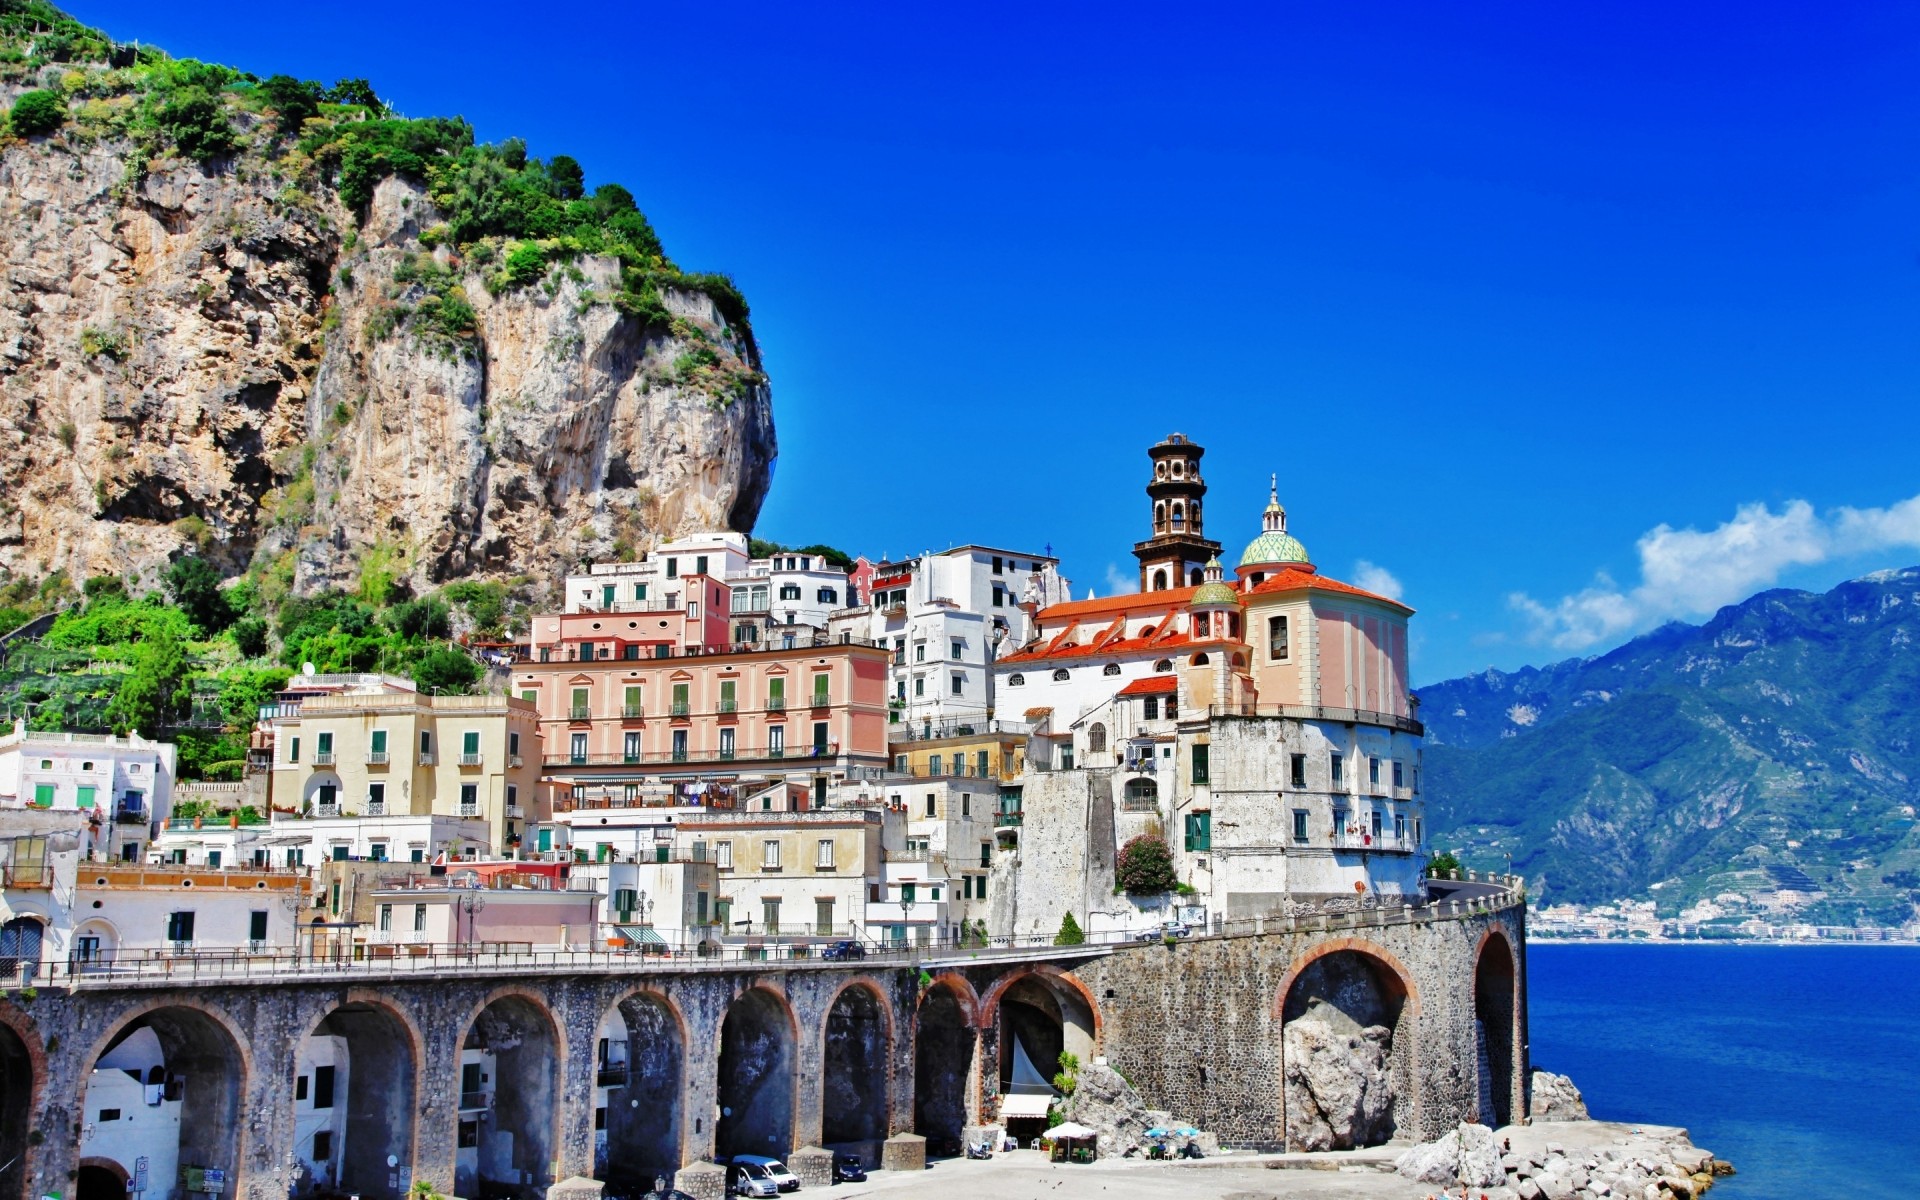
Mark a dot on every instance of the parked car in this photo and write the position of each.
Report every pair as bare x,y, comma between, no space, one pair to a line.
773,1168
843,951
847,1169
750,1179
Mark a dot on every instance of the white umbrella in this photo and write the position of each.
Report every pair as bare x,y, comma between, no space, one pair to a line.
1070,1131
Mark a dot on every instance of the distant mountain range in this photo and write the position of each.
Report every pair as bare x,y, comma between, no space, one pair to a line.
1773,749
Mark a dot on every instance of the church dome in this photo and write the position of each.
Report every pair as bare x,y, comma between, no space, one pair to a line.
1275,544
1214,590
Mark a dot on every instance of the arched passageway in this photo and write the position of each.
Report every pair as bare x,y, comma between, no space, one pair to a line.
353,1103
16,1111
96,1181
1349,1008
943,1045
1493,1013
756,1076
509,1101
853,1100
639,1066
166,1088
1040,1019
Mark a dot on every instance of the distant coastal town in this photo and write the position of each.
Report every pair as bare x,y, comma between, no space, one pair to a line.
1728,918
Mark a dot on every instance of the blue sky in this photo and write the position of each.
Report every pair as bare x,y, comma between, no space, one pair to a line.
1500,295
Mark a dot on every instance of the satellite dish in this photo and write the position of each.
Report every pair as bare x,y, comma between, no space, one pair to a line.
306,668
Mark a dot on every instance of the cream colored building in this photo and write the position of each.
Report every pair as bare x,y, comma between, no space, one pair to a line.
370,753
788,877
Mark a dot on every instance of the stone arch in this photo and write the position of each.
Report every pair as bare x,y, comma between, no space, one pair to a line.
510,1090
1159,516
375,1052
23,1069
1196,577
1353,999
1041,1012
758,1039
645,1132
98,1178
856,1044
1496,1018
944,1038
183,1057
1160,581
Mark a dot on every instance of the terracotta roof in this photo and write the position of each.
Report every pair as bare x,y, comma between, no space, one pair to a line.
1101,648
1152,685
1295,578
1132,602
1034,714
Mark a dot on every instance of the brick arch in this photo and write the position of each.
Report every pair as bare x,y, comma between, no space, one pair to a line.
963,991
888,1046
237,1044
622,1126
797,1042
660,996
243,1050
990,1003
416,1050
15,1022
1511,1046
870,984
1498,926
558,1030
1410,999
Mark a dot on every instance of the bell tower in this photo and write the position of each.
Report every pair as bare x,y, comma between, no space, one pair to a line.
1176,553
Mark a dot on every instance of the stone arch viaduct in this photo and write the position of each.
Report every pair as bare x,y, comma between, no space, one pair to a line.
650,1066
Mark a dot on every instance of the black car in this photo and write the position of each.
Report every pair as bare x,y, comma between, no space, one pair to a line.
843,951
847,1169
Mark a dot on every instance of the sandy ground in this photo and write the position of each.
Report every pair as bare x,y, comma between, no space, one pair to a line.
1027,1175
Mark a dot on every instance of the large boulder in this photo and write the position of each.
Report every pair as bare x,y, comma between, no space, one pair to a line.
1556,1099
1105,1102
1339,1086
1468,1155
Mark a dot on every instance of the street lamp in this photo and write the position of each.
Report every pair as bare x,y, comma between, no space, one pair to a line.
471,906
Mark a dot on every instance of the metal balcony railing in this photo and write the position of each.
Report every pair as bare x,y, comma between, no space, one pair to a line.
376,808
426,758
741,753
579,712
776,704
469,810
1008,820
633,712
326,810
323,758
475,1101
727,706
470,760
679,708
1314,712
376,758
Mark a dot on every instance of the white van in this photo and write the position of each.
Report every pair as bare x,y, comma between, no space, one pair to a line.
773,1168
750,1179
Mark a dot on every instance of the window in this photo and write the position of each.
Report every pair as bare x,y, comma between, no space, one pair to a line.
327,794
723,855
823,854
933,804
681,705
1339,771
776,740
1016,680
1163,666
823,915
1096,738
376,798
1399,773
789,591
770,913
386,918
999,597
1199,831
959,684
1061,675
83,796
1374,824
1200,763
770,855
300,1088
1150,708
820,690
1399,827
1300,825
1373,771
996,564
377,851
959,647
180,927
293,749
935,763
1110,669
469,799
776,693
257,925
673,568
419,918
819,737
919,686
827,595
322,747
700,564
323,1087
1299,770
1276,639
577,747
726,742
679,745
729,701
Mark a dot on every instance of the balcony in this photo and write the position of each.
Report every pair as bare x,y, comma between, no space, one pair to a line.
514,760
579,712
469,810
470,760
1008,820
679,708
130,814
651,757
610,1074
727,706
323,758
376,758
630,712
426,758
475,1102
776,704
515,812
822,700
376,808
326,811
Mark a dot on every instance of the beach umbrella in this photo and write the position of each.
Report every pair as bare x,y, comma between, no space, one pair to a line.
1069,1131
1186,1131
1158,1132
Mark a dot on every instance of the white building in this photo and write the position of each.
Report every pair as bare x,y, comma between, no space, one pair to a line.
298,841
125,783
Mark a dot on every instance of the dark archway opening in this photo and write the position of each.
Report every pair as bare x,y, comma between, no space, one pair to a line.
95,1182
853,1100
16,1111
1346,1008
171,1068
643,1097
756,1077
510,1094
1039,1021
1493,1007
357,1111
942,1065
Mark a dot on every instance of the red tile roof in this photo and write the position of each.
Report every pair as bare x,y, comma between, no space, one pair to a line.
1294,578
1152,685
1132,602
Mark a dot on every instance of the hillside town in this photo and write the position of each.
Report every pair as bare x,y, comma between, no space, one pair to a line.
708,753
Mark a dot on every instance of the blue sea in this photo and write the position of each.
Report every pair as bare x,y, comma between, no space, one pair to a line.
1798,1064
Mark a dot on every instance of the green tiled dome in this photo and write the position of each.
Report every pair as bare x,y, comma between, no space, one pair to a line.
1274,546
1216,592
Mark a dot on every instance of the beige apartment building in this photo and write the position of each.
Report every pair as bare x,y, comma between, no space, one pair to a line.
375,754
793,876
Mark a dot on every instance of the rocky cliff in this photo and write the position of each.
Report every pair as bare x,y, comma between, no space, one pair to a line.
218,350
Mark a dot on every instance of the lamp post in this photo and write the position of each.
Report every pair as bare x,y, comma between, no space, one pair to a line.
471,906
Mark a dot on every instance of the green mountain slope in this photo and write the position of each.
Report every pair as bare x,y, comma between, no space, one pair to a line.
1776,741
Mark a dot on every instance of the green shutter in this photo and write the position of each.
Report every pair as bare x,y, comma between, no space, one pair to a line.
379,741
470,742
83,798
43,795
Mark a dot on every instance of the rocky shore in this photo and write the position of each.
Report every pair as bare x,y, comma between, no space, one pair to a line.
1571,1160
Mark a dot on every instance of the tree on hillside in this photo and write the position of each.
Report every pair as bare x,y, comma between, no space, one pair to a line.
195,587
1145,866
444,669
156,689
1070,934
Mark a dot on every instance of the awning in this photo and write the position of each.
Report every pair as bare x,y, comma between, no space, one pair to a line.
644,935
1024,1106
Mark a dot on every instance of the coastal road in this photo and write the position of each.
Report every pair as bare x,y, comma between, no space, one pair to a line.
1028,1175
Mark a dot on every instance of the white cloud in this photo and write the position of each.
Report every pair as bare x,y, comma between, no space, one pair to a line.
1376,578
1121,583
1687,572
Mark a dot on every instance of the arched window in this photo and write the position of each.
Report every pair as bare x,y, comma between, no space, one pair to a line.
1195,578
1016,680
1160,469
1159,581
1200,624
1179,467
1179,515
1110,669
1142,793
1193,513
1096,738
1159,516
1060,676
1201,660
1163,666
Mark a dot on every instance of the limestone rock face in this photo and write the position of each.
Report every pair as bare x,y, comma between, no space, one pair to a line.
1339,1090
1467,1155
1556,1099
208,356
1105,1102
